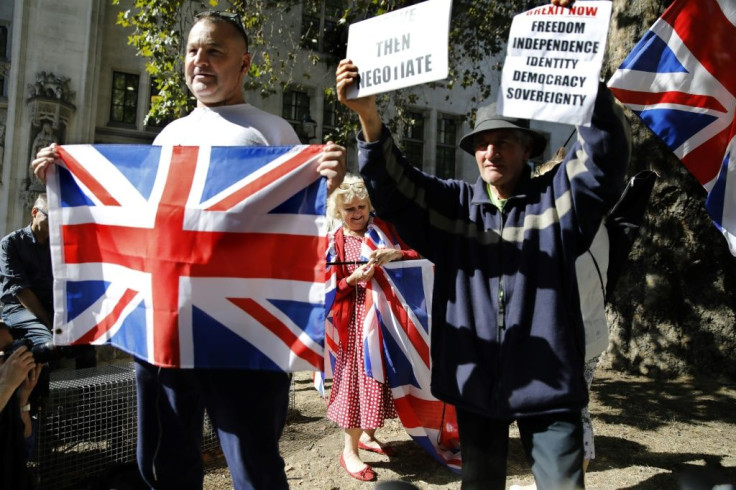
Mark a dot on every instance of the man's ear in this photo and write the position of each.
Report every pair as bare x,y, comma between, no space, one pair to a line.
245,66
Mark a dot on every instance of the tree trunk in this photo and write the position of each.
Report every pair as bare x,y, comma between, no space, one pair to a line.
674,307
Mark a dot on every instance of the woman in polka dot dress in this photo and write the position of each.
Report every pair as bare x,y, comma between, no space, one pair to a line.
358,403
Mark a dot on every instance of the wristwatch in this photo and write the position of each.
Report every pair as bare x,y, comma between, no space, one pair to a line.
26,408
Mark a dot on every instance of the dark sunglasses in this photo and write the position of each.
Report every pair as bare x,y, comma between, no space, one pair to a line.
231,18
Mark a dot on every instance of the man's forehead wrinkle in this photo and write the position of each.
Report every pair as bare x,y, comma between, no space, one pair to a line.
203,38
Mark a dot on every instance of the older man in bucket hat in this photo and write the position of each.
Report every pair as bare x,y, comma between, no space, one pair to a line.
507,334
505,146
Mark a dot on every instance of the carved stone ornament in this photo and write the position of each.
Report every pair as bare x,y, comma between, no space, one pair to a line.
51,108
51,86
58,112
50,99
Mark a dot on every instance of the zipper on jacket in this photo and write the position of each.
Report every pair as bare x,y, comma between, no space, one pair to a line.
501,307
501,321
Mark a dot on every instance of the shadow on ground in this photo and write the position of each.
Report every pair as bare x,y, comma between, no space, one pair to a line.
653,403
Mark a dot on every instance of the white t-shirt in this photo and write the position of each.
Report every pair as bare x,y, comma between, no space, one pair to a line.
230,125
592,300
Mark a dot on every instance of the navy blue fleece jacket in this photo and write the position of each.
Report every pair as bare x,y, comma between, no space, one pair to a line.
507,334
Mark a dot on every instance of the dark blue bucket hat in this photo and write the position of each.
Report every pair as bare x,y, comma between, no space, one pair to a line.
496,122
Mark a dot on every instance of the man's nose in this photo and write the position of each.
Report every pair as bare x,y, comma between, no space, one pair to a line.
491,149
200,57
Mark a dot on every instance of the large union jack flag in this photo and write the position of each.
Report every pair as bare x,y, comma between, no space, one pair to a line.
680,79
191,256
396,345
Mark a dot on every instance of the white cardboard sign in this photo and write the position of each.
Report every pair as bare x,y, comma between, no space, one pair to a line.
401,48
554,61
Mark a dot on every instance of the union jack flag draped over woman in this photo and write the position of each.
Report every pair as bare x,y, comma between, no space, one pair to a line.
396,336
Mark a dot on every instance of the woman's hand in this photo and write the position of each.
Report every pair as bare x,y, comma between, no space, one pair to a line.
44,159
364,273
382,256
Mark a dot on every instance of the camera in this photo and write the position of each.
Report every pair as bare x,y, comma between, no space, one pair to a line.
42,353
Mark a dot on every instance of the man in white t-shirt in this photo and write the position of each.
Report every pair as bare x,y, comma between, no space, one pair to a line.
248,408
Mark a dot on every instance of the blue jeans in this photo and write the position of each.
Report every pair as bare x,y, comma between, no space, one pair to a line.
24,324
553,445
248,409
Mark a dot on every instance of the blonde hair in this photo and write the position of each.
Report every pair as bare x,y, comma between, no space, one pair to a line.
352,188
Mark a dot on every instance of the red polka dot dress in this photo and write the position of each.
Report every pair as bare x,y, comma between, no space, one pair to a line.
357,401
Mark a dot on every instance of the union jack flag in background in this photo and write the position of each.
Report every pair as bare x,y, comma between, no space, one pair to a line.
680,79
191,256
396,340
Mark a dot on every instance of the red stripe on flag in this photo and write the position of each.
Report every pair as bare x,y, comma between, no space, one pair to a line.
705,161
107,323
98,243
635,97
277,256
268,178
165,272
86,178
424,413
265,318
708,34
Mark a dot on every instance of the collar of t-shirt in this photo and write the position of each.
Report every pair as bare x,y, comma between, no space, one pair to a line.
495,200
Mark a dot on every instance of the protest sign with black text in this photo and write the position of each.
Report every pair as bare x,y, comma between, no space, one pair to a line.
554,61
401,48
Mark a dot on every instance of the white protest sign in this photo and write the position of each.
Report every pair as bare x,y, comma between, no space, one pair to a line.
554,61
400,48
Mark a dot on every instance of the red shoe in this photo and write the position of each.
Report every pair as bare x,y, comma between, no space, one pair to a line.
366,474
386,450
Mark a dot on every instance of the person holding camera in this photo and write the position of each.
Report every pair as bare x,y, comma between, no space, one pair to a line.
19,374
